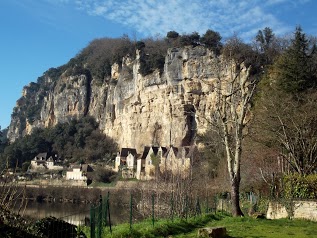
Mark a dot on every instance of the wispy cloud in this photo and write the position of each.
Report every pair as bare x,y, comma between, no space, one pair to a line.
150,17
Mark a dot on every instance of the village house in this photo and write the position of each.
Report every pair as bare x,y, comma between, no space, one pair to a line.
126,161
43,162
149,161
78,172
178,160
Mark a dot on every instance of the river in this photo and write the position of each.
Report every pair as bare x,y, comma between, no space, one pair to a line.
77,213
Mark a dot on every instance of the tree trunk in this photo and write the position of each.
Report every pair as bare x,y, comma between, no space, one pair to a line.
235,197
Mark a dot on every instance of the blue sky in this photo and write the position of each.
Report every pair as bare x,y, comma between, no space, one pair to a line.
39,34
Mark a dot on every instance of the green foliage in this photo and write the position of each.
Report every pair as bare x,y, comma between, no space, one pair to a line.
297,186
155,160
139,45
293,69
212,40
104,175
152,56
172,35
100,54
265,38
191,39
162,228
54,228
268,45
77,140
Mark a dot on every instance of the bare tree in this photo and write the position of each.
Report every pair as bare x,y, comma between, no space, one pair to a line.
234,91
289,124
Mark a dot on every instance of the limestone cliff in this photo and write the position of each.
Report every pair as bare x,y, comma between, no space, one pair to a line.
162,108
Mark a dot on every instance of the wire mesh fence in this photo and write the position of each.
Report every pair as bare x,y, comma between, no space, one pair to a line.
153,208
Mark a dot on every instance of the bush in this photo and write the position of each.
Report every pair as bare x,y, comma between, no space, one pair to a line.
297,186
104,175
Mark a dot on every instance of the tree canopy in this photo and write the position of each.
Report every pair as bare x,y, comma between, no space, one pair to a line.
293,71
79,140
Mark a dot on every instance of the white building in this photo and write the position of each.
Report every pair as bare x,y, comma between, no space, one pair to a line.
78,172
41,162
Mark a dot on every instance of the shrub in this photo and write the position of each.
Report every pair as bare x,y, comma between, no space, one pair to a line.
297,186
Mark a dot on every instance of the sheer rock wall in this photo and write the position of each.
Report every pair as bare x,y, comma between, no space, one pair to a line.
163,108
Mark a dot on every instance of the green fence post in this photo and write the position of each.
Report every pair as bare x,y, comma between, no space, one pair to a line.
186,207
108,206
172,207
105,210
131,211
198,210
100,217
207,208
92,222
153,209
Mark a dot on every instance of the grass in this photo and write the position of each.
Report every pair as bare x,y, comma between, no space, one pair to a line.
248,227
237,227
161,228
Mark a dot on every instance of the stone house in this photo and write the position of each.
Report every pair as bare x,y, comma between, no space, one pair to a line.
149,161
178,160
126,160
78,172
43,162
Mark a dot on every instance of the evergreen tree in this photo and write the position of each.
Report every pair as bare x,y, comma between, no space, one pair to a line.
293,68
212,40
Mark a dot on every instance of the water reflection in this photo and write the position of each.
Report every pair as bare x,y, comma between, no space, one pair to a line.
77,214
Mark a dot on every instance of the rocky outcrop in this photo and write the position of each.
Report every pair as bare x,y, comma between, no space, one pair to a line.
163,108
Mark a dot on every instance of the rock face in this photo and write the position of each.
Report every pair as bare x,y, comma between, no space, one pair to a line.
163,108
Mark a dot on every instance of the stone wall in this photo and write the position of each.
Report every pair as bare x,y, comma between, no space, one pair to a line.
302,210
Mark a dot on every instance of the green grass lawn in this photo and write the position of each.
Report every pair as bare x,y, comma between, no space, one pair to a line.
248,227
237,227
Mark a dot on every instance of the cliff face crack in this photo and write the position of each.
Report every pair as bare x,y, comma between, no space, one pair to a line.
88,95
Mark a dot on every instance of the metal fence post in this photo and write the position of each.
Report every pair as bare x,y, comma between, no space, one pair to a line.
92,222
108,209
172,207
198,210
186,207
100,217
131,211
153,209
207,208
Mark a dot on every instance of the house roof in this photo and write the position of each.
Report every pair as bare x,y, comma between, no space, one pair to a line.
50,158
180,152
164,150
41,155
145,151
155,150
86,168
175,150
126,151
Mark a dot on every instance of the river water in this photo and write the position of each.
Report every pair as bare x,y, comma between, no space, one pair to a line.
77,213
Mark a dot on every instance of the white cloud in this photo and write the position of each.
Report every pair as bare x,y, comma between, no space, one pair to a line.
150,17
